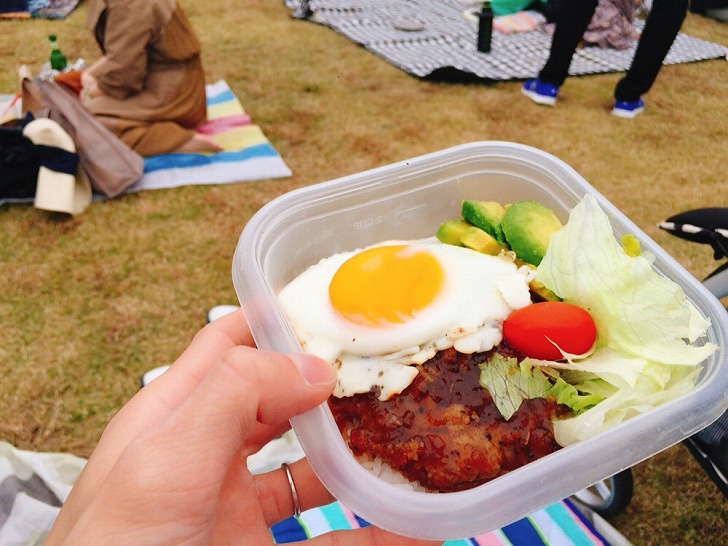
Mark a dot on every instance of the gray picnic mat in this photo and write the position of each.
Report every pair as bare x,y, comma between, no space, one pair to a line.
446,44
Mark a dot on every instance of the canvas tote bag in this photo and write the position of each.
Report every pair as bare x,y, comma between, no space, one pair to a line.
111,165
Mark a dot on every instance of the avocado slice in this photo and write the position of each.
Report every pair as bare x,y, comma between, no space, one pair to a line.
486,215
541,293
527,227
451,231
477,239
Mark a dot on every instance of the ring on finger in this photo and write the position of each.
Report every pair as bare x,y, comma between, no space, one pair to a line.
292,487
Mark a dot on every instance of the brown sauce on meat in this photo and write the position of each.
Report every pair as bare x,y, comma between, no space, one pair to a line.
444,430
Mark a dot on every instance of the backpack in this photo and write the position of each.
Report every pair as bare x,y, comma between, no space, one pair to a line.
19,161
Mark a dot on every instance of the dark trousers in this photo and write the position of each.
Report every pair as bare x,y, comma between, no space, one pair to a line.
662,25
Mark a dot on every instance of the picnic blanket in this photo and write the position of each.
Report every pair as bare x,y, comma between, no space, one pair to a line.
33,487
439,40
247,154
560,524
36,9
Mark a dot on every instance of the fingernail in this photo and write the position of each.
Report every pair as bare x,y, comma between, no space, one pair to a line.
314,370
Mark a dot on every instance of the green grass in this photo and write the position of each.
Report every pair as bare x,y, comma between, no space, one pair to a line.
90,303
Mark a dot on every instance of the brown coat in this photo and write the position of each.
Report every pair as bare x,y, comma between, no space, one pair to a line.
150,72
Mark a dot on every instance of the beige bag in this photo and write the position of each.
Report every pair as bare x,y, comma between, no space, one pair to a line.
62,185
111,165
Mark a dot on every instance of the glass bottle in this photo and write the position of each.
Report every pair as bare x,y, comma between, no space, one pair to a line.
485,28
57,59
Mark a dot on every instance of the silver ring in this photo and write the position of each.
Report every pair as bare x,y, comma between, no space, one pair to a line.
294,493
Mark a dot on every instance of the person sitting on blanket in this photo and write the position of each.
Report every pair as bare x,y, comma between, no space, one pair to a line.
170,468
148,88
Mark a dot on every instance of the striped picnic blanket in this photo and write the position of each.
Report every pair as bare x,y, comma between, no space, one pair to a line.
35,485
560,524
247,154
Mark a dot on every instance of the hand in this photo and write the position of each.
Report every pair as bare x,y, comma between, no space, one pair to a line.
89,86
171,466
87,79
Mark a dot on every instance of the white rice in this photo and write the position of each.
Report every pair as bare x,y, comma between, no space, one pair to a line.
384,472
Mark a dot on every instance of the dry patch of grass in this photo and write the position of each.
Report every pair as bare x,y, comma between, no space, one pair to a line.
91,303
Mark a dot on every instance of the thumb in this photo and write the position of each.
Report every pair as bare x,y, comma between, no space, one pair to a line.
209,429
175,471
286,396
247,387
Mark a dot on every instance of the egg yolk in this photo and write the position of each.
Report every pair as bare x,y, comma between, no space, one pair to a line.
385,285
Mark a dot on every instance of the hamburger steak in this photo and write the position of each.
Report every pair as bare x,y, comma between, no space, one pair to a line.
444,431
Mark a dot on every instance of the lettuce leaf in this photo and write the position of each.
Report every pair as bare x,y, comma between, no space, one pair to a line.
619,406
635,309
510,383
568,395
647,329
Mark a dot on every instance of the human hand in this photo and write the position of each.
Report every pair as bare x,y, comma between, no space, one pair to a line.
89,86
171,466
87,79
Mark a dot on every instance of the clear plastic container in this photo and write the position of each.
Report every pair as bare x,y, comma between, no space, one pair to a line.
407,200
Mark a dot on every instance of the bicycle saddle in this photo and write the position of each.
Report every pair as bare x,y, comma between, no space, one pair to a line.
708,226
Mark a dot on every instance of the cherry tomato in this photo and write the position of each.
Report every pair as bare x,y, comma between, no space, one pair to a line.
529,329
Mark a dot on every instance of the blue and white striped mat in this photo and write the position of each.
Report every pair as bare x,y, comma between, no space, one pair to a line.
247,154
560,524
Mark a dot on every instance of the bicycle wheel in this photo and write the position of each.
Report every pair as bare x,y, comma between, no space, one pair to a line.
610,496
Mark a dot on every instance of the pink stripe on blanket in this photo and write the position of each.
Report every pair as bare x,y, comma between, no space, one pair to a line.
350,517
220,125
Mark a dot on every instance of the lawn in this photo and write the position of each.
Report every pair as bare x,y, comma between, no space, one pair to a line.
90,303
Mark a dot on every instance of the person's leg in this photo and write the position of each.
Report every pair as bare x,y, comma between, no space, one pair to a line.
662,25
572,21
159,137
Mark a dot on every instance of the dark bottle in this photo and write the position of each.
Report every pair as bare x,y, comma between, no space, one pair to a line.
57,59
485,28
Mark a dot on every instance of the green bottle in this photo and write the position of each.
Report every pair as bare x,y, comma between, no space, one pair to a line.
58,59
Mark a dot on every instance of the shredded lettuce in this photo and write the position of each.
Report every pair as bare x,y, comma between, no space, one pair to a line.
621,405
646,350
568,395
635,309
648,344
510,383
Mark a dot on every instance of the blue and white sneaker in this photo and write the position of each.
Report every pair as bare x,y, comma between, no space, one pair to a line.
540,92
628,110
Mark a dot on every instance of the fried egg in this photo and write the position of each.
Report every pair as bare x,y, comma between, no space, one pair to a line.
375,312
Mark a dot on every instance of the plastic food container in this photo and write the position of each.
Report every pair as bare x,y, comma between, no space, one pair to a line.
407,200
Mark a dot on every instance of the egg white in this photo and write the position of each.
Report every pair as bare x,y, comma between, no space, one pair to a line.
478,293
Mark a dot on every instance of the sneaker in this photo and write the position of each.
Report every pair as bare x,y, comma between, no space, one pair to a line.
220,311
151,375
540,92
628,110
